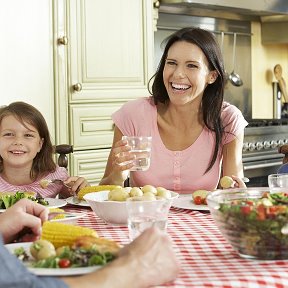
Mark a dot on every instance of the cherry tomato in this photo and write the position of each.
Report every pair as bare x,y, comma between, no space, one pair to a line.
261,212
64,263
246,209
198,200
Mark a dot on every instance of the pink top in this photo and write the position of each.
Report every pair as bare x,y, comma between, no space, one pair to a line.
50,191
181,171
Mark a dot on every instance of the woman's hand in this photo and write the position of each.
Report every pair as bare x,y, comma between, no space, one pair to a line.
238,182
25,217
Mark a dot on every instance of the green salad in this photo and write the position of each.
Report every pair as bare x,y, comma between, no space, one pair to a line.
257,225
68,257
7,200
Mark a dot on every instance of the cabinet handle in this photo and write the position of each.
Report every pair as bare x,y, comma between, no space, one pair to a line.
62,41
77,87
156,4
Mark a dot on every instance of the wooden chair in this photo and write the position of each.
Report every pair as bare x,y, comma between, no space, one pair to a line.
63,150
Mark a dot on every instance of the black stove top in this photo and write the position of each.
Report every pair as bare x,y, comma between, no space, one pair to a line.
267,122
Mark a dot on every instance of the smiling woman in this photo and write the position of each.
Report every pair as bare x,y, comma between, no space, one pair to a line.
195,135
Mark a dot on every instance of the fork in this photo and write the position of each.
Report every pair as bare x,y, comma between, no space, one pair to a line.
45,182
52,215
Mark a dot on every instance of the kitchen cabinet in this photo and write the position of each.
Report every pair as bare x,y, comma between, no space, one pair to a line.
104,58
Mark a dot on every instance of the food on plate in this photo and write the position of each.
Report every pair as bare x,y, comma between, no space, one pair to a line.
83,252
226,182
258,224
7,199
60,234
42,249
146,193
90,189
58,210
199,197
102,245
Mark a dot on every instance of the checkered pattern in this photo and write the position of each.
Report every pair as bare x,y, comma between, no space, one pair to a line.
206,258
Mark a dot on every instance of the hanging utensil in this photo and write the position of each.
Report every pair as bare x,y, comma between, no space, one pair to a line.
281,81
234,77
222,51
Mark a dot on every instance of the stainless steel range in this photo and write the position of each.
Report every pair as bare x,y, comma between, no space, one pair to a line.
260,149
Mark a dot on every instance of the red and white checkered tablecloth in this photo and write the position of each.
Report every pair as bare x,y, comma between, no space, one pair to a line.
206,258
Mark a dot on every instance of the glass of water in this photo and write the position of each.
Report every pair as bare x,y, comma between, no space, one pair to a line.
141,148
278,180
145,214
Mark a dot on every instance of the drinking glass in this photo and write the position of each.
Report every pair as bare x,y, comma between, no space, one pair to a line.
141,148
145,214
278,180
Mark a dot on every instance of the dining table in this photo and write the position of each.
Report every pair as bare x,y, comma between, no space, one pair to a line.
206,259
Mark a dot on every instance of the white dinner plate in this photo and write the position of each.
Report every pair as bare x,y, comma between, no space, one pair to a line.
49,271
186,202
81,203
53,203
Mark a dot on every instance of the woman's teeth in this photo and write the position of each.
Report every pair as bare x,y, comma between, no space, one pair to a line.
180,86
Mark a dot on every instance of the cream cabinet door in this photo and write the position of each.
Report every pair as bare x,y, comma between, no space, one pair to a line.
91,125
89,164
111,46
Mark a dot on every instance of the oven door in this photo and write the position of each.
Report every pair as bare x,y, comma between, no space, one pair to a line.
258,165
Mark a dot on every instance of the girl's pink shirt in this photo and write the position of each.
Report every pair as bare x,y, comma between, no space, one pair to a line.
51,191
180,171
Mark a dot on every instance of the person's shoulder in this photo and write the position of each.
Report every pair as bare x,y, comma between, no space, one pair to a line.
229,109
59,173
143,102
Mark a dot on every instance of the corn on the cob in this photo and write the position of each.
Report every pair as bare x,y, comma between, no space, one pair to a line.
90,189
60,234
59,216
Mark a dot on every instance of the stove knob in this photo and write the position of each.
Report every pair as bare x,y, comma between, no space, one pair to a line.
286,141
273,144
266,144
280,143
245,146
251,146
259,145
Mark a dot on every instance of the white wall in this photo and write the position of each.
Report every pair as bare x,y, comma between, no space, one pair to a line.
26,55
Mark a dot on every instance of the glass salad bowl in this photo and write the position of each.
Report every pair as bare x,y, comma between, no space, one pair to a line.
253,220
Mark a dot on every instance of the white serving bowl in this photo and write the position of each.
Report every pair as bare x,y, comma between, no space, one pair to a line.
112,212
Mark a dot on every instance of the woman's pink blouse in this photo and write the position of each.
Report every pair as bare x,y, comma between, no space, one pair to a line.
180,171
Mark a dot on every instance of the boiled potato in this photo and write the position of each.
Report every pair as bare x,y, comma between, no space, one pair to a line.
149,188
226,182
149,196
163,193
136,191
42,249
119,194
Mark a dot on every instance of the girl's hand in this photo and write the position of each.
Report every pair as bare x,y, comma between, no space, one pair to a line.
76,183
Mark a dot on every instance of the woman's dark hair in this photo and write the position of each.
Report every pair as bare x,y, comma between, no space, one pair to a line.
212,100
43,162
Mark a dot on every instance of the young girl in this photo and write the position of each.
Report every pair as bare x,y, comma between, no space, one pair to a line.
26,154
